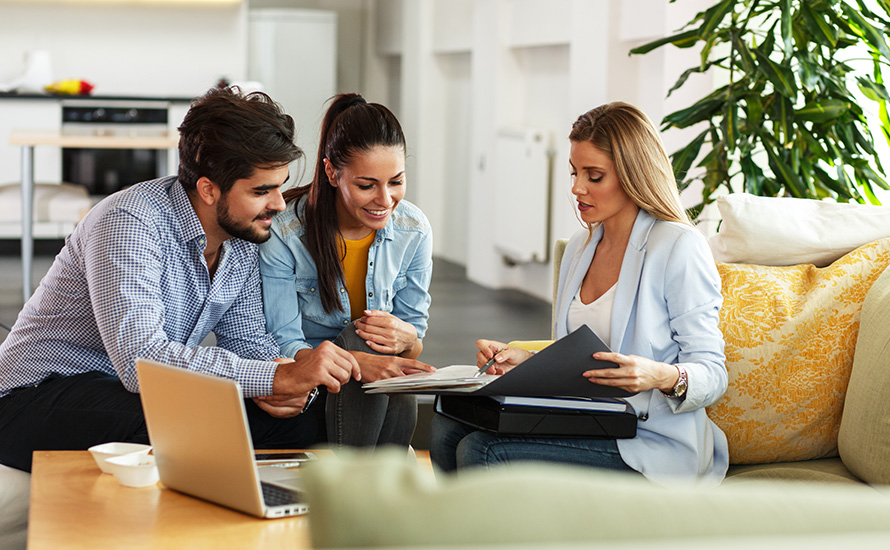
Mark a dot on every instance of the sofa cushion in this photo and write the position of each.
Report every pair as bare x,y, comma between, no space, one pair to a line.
831,470
15,491
789,231
864,437
790,335
381,499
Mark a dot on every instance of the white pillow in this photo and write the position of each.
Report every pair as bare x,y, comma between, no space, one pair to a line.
788,231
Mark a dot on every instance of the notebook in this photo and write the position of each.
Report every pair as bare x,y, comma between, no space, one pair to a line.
201,441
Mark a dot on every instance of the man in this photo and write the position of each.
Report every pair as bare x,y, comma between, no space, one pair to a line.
150,272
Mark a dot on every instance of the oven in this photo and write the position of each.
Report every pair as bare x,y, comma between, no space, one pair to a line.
104,171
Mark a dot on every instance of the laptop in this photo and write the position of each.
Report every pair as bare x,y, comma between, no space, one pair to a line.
201,441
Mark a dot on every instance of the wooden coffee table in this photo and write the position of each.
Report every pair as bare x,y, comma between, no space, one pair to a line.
74,505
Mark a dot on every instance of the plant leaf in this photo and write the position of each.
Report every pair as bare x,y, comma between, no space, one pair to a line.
682,160
867,31
823,111
730,124
785,27
817,25
714,16
872,90
753,175
690,71
832,184
685,39
790,180
781,78
691,115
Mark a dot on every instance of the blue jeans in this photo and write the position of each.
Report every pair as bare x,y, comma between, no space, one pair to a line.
356,419
455,446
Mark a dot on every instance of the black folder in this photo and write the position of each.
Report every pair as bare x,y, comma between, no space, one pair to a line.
557,370
487,414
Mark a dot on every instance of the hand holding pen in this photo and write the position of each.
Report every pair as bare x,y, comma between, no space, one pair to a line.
497,358
484,368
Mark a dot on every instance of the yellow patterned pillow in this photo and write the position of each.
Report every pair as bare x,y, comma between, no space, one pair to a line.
790,336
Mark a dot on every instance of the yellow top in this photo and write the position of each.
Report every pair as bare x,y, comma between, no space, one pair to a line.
355,271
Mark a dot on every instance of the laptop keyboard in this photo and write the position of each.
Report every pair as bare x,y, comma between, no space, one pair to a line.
273,495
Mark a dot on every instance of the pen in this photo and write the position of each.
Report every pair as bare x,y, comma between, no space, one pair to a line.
488,364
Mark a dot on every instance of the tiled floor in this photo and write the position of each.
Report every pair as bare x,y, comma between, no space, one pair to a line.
461,313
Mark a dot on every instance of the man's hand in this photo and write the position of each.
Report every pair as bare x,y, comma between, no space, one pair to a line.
282,406
387,334
327,365
378,367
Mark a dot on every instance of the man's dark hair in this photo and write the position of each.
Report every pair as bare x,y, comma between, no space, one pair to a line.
226,135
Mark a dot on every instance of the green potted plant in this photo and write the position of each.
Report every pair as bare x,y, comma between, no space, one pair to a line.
787,122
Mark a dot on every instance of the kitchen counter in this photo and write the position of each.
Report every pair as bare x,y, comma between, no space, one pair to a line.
58,97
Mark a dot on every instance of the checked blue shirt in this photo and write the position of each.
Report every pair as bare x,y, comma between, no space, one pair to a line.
132,282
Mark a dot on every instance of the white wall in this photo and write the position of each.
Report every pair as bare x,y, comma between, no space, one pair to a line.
458,71
351,18
128,49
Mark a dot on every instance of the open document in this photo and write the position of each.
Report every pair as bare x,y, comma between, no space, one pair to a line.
456,378
557,370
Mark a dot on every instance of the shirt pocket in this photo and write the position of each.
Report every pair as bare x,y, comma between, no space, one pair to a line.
309,299
390,292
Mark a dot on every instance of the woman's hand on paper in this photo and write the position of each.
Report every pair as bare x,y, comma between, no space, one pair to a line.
385,333
505,357
634,373
379,367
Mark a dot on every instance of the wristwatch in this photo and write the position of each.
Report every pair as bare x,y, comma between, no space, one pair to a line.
679,390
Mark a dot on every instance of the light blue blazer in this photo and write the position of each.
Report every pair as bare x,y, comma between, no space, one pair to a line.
666,308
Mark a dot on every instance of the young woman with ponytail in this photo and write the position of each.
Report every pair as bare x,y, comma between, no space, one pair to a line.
350,261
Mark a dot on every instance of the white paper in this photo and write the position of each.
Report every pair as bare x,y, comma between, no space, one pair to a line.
453,378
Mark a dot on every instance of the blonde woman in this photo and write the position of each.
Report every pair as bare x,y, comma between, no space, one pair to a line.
642,278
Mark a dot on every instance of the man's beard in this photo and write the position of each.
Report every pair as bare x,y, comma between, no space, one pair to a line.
246,231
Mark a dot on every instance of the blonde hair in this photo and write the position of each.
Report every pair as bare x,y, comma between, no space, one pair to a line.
627,136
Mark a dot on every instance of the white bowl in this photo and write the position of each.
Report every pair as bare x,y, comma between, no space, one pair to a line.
108,450
134,469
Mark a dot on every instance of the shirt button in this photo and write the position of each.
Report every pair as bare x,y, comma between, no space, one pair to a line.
345,322
370,263
370,295
342,290
312,290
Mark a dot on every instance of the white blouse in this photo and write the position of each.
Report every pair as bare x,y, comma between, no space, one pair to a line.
597,314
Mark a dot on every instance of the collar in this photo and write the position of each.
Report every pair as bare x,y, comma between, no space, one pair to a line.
190,227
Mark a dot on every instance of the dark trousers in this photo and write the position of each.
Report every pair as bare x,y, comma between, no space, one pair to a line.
357,419
77,412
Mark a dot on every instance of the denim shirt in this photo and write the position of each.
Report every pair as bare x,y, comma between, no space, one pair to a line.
400,265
